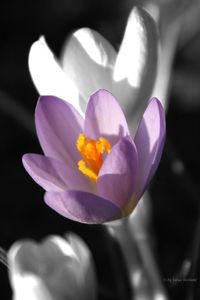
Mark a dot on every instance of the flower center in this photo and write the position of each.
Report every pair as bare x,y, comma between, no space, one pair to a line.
92,154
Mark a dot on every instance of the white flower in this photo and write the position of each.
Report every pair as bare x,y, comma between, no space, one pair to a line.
89,63
56,269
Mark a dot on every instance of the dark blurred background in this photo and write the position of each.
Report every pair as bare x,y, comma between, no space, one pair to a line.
175,188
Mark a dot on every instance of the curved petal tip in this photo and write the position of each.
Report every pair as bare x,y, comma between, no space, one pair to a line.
47,75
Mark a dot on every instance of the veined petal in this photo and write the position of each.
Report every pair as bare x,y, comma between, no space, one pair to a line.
58,126
136,65
88,59
104,117
54,175
118,175
82,206
48,76
149,141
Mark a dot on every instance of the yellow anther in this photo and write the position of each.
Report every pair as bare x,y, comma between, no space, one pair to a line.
105,144
86,171
91,152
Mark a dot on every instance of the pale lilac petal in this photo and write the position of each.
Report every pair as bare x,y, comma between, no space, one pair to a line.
82,206
118,176
136,65
149,141
48,76
104,118
54,175
88,59
58,127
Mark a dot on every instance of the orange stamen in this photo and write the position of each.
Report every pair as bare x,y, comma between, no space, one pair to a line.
91,152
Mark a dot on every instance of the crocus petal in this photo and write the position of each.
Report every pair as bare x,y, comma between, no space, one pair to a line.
31,287
149,141
24,272
58,126
61,262
136,65
88,59
87,271
54,175
43,269
82,206
118,176
48,76
80,250
104,117
20,254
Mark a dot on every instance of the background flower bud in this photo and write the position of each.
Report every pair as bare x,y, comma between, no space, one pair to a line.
56,268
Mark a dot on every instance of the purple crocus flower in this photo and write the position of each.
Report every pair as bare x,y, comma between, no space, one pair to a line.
93,171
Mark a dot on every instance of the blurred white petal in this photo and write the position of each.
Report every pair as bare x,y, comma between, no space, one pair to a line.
88,277
29,287
48,76
55,269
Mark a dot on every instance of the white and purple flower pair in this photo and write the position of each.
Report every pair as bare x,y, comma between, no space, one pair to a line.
89,62
92,170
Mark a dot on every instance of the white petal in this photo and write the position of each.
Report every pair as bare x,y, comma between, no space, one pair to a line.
88,59
87,273
29,287
39,271
96,52
136,64
132,54
48,76
63,245
25,285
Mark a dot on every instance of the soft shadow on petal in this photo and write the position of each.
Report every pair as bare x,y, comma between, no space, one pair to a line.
61,262
87,274
136,65
88,59
54,175
25,257
26,270
80,249
58,126
118,175
104,118
56,247
149,141
82,206
48,76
